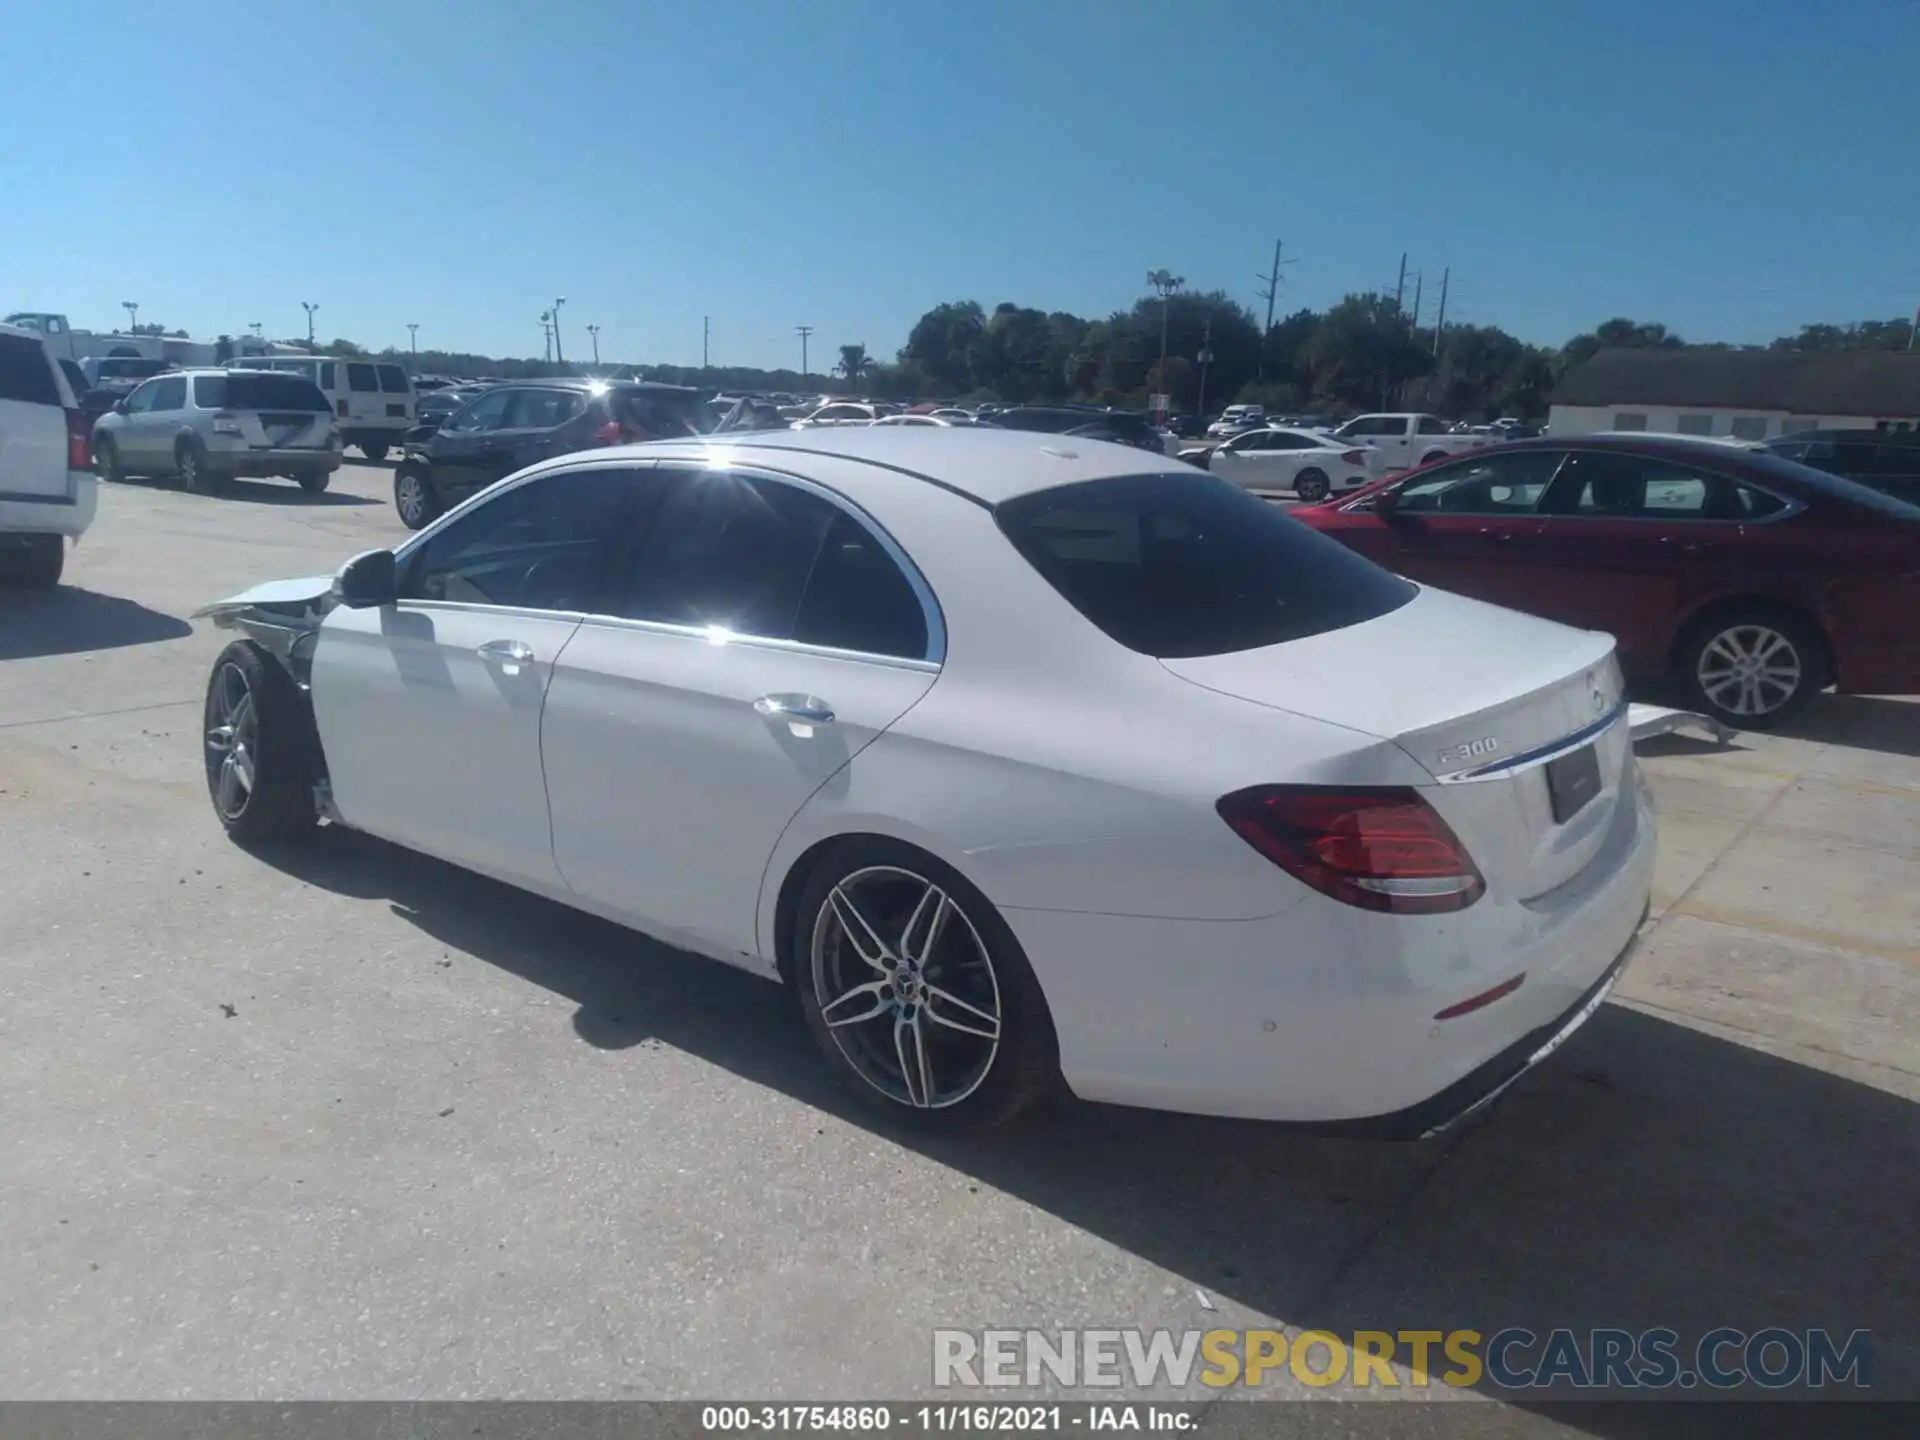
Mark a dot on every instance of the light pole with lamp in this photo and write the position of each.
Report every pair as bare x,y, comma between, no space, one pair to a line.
413,341
1167,284
594,331
559,355
132,307
309,307
1206,359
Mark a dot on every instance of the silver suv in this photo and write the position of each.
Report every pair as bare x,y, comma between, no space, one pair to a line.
207,426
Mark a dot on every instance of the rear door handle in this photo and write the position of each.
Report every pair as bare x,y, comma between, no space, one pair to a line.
509,655
808,708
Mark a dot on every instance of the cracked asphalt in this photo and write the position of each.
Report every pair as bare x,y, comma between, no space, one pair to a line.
348,1123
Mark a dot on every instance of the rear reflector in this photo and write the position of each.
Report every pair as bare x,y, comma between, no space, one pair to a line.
1380,849
1478,1002
79,441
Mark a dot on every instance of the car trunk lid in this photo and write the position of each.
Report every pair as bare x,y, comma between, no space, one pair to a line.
1504,710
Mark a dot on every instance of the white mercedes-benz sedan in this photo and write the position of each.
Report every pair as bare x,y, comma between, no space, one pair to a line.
1024,760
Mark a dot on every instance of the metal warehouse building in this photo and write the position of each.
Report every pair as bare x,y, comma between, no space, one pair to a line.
1745,394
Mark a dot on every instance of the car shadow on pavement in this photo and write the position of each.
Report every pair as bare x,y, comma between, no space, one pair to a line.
67,620
1859,722
285,492
1649,1175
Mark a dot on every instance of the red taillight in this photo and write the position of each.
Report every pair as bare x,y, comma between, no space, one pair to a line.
611,433
79,442
1355,457
1380,849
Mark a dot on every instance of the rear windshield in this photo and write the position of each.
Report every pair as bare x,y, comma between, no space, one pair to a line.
25,372
1176,566
126,367
257,390
666,414
393,380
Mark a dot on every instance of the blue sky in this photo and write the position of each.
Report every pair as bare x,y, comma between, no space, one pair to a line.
1731,169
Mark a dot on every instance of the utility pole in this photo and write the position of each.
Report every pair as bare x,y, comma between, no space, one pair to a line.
546,335
1168,285
1441,323
132,307
594,331
558,354
413,340
1206,359
309,307
803,331
706,338
1400,286
1270,287
1418,280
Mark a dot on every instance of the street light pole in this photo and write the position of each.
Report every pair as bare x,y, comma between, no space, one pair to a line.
594,331
1206,359
803,331
546,336
255,326
132,307
413,340
309,307
706,338
1168,284
558,354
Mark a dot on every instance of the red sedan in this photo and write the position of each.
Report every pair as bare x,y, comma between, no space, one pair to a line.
1754,580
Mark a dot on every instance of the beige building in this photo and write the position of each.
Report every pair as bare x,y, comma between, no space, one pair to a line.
1742,394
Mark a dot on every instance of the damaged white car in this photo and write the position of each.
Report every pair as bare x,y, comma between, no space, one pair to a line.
1025,761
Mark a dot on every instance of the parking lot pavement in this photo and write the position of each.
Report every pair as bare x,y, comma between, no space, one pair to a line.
343,1122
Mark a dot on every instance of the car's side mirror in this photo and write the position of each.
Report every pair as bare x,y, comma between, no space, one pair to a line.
120,407
368,580
1387,504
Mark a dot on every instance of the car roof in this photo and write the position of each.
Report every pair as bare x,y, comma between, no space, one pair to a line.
988,465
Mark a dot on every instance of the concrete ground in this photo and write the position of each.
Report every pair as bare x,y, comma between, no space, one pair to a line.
350,1123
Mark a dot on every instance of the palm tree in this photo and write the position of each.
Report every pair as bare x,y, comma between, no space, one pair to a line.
855,363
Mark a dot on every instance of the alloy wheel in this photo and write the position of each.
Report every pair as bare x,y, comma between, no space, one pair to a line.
1750,669
906,987
410,498
232,743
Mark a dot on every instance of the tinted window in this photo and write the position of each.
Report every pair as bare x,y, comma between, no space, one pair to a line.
264,390
362,377
540,546
1431,426
76,378
1175,566
142,398
542,409
393,380
858,599
1750,503
664,414
170,394
728,551
485,413
1623,486
24,371
327,375
1288,440
1822,486
1504,484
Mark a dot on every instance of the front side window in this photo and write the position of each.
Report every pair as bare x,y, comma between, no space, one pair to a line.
170,394
393,380
362,377
141,400
1175,567
539,546
1496,484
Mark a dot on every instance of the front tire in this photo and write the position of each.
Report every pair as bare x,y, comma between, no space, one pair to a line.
1311,486
374,450
106,460
259,758
314,482
36,565
917,992
414,498
1752,668
197,477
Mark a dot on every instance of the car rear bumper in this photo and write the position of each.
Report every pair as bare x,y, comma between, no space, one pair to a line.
68,513
252,461
1327,1016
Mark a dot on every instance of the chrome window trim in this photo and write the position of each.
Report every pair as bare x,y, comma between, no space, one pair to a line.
1790,506
1540,754
932,660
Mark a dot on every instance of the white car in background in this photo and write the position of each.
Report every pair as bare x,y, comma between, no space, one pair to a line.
1236,418
1023,761
1310,464
48,490
841,412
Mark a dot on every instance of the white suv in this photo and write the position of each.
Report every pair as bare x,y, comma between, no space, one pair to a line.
47,485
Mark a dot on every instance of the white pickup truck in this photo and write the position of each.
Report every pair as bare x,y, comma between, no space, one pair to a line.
1406,438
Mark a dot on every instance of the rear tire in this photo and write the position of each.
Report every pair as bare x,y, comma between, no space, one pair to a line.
374,450
1311,486
1752,667
314,482
937,1020
36,565
414,498
196,475
259,757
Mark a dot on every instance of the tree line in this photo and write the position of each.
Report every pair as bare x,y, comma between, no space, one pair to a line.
1363,353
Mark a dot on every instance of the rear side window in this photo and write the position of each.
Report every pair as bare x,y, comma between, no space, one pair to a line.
362,377
858,599
25,372
1178,566
259,390
664,414
393,380
542,409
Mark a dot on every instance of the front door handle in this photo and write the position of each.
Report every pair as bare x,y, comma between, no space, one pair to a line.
509,655
809,709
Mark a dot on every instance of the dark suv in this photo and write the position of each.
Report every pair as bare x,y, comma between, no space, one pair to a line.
511,426
1888,460
1122,427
